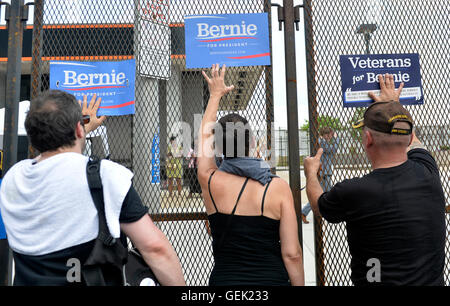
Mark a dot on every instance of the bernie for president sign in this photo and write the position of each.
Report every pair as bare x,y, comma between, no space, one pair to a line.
113,82
234,40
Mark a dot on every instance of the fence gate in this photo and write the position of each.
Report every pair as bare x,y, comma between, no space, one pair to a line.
402,27
168,96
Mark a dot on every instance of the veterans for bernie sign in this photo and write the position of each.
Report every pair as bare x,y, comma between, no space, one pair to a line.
111,81
359,74
234,40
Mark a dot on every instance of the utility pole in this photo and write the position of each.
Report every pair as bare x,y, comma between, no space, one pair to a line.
289,15
16,14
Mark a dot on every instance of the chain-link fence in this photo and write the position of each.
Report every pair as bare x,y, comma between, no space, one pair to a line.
169,102
168,98
281,146
402,27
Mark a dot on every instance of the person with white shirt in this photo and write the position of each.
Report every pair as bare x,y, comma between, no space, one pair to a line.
47,208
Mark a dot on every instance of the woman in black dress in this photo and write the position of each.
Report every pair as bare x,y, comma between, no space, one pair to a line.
253,222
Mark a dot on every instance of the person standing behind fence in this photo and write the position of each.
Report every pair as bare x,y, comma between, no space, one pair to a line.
174,165
329,142
251,212
395,215
194,186
51,220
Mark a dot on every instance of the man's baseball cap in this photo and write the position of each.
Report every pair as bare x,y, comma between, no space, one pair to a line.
382,116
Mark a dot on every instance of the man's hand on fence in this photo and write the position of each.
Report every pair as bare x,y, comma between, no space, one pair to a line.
91,111
312,164
388,91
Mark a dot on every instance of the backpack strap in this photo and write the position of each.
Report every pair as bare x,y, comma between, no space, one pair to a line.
93,276
96,189
105,251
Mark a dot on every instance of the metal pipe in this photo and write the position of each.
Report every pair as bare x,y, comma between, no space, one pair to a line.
268,76
36,60
292,110
15,17
313,130
37,48
367,39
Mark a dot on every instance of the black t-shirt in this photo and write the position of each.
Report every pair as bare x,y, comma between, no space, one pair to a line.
397,216
52,269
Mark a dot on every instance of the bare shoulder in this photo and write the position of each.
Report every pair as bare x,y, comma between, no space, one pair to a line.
280,189
219,179
280,184
279,196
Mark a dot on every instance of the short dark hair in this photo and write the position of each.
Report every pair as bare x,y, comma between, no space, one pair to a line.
52,120
232,126
325,130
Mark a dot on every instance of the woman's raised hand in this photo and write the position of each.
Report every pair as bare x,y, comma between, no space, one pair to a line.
216,82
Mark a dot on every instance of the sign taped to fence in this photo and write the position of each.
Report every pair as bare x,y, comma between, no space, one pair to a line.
234,40
153,48
113,82
155,160
2,225
359,74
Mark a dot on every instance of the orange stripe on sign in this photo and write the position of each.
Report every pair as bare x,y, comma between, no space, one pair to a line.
119,105
251,56
90,88
227,38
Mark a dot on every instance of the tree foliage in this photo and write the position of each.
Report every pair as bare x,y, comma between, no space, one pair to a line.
323,121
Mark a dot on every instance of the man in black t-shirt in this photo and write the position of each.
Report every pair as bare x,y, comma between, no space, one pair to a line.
395,215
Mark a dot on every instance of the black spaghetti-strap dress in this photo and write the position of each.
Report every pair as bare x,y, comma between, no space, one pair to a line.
246,249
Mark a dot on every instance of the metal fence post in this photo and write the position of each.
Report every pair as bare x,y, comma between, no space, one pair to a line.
16,14
268,76
313,130
36,60
292,109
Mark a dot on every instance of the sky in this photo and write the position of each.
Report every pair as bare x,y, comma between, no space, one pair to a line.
279,72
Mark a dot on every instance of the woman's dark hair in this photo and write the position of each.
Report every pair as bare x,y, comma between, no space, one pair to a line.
232,136
52,120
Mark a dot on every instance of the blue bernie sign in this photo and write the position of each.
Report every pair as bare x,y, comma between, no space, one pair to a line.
234,40
2,226
113,82
155,160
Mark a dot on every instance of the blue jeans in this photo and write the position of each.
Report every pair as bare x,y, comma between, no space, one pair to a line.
325,183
